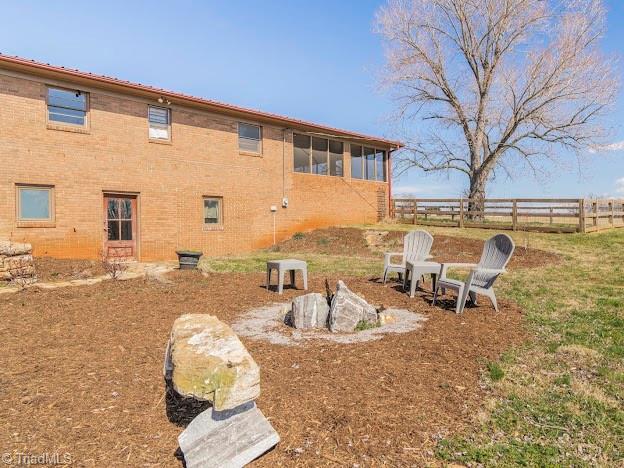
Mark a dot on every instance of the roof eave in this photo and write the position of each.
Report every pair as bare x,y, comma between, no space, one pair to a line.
80,77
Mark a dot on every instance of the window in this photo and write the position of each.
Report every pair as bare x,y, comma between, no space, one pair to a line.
320,156
35,203
212,211
249,138
380,165
356,162
369,163
336,149
67,106
301,144
159,123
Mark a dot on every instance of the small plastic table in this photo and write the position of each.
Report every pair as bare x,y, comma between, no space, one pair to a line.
414,270
291,265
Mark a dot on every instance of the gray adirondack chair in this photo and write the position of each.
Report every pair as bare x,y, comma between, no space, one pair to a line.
496,254
416,247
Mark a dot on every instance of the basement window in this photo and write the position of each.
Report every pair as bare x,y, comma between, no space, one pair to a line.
159,123
35,204
249,138
213,214
67,106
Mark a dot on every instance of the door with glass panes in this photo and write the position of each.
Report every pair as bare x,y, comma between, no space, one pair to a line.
120,226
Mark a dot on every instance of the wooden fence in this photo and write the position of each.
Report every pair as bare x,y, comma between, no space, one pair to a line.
517,214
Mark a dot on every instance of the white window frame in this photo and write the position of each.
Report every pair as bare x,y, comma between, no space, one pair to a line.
158,125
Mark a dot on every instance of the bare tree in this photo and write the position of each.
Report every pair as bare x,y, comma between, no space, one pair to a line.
496,82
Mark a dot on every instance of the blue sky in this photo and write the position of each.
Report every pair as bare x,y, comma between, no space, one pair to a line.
316,61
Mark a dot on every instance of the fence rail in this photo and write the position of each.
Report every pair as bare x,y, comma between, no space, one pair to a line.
517,214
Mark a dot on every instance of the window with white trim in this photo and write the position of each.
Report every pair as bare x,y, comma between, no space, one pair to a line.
159,123
249,138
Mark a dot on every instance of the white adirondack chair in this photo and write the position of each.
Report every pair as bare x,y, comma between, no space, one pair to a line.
496,254
416,247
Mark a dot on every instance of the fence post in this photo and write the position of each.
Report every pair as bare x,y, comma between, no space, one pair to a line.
415,220
612,214
581,215
595,212
551,218
461,212
514,215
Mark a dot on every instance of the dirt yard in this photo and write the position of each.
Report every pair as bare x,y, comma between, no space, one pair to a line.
82,372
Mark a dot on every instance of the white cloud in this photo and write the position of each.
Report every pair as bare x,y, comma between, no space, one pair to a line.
617,146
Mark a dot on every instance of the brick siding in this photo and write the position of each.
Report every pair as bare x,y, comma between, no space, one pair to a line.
203,159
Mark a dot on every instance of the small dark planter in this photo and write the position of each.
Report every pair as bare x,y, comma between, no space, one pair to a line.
188,259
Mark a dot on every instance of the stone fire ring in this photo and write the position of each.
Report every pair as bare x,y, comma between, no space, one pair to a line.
267,324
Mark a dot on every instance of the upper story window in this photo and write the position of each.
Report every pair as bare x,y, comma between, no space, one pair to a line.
368,163
159,123
318,155
249,138
35,203
67,106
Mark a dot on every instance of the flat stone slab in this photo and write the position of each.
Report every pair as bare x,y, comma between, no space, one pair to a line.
229,438
207,361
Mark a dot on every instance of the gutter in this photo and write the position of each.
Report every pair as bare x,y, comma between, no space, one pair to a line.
45,69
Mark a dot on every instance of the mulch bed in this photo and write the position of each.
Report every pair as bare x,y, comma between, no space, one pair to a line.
53,269
82,373
352,242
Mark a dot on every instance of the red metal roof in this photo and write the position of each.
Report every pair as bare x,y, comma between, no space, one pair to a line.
45,68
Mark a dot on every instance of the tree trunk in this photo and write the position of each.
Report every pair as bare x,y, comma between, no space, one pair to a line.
476,204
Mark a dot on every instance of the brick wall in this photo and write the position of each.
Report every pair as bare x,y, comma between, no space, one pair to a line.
203,159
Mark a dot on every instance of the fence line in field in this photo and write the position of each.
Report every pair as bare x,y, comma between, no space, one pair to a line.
517,214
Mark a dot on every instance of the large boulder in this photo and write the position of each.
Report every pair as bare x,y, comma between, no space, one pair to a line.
310,311
207,361
348,309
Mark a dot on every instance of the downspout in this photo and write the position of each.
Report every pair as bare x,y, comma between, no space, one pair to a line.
389,170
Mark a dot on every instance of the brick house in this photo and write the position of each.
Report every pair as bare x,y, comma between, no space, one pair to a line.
94,164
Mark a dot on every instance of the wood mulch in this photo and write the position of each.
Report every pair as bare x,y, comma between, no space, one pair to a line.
53,269
82,367
82,373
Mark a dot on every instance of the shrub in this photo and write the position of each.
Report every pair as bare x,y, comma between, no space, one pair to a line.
365,325
113,267
298,236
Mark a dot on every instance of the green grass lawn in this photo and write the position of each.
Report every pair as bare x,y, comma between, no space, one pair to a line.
559,400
